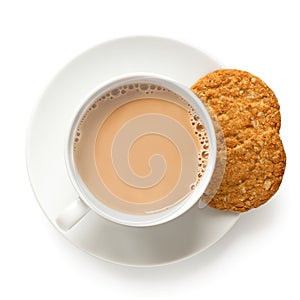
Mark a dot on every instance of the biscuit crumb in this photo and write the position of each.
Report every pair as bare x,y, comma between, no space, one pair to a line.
267,184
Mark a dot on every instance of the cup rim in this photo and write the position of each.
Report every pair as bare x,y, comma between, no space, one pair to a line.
130,219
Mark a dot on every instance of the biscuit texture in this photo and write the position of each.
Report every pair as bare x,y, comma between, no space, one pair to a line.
248,112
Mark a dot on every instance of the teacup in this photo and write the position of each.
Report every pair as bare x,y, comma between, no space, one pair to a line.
108,141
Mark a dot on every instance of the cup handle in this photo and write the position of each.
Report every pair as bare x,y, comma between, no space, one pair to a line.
72,214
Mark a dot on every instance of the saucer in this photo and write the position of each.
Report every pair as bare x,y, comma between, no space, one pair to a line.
183,237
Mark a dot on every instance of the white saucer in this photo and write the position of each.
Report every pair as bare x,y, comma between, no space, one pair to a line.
189,234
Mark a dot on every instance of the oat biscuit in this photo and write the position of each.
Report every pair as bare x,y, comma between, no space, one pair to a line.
248,112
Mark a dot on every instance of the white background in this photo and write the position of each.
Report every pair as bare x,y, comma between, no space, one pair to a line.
258,258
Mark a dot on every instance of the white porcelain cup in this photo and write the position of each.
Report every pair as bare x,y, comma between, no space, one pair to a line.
85,202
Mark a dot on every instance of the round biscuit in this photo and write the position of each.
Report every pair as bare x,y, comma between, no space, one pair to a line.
248,112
